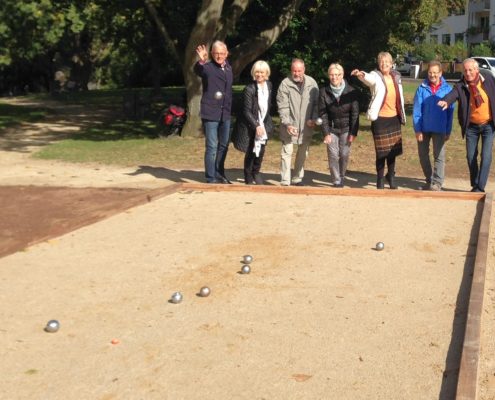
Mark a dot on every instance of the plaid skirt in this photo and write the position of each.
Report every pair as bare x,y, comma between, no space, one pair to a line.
387,136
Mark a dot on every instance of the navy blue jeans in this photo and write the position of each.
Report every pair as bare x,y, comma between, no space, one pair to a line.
479,174
217,138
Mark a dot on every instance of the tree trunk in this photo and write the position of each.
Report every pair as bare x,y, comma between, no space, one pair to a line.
155,71
202,33
193,126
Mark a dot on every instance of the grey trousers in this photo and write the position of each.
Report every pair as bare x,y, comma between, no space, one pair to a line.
338,156
437,174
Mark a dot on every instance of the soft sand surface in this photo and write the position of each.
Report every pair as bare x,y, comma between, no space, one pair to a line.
321,316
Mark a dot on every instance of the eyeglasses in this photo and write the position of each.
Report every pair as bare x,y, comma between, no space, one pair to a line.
333,75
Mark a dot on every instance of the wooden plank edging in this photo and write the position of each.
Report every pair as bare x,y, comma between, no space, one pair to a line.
329,191
467,384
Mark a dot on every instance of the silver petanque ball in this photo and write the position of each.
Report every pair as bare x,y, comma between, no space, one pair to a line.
246,269
176,298
318,121
204,291
52,326
247,259
379,246
218,95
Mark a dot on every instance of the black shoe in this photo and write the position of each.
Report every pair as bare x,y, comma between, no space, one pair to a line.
379,183
477,190
299,184
258,179
338,185
390,180
224,180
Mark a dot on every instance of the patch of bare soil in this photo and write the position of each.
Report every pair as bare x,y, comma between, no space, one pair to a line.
30,214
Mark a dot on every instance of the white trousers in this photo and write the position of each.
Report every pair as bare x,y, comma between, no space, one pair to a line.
286,159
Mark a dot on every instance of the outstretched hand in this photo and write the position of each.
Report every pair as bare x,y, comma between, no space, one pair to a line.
358,73
202,52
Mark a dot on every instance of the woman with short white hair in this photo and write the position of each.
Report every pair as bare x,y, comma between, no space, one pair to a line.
254,124
339,113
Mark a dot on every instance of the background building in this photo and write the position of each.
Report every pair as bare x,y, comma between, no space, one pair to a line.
472,26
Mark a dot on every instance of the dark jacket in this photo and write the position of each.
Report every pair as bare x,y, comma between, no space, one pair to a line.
462,94
215,79
244,130
342,115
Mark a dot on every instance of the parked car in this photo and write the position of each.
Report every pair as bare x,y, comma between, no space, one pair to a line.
407,66
486,63
404,68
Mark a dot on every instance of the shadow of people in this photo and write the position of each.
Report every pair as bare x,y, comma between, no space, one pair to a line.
235,175
169,174
354,179
357,179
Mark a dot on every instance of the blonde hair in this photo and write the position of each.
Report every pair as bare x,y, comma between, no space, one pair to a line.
384,54
336,66
260,65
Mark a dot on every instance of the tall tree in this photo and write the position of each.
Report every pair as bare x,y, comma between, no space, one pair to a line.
185,25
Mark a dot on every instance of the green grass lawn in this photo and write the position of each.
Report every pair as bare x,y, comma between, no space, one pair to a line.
134,142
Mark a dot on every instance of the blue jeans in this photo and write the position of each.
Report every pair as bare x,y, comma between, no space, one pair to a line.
479,174
217,136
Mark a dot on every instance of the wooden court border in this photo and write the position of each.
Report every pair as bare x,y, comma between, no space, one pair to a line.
467,383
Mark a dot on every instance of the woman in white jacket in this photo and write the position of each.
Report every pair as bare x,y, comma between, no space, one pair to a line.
386,111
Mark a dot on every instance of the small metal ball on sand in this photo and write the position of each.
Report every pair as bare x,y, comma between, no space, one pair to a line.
176,298
204,291
379,246
52,326
247,259
246,269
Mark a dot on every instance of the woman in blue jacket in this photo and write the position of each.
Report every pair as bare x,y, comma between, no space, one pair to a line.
433,124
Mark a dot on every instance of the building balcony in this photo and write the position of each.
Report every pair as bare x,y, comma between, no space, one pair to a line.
479,6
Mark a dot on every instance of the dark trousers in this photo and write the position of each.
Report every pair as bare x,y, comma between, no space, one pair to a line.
252,164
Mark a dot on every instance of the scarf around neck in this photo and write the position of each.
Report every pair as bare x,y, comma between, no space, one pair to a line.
473,90
337,90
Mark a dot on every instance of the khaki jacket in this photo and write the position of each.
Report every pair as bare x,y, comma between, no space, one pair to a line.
296,107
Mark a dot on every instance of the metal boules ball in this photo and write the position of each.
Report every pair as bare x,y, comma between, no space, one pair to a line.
204,291
379,246
247,259
52,326
218,95
246,269
318,121
176,298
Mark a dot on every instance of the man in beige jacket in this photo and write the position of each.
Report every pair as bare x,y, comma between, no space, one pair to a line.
297,101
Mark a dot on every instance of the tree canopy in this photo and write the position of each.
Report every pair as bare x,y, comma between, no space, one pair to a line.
152,42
